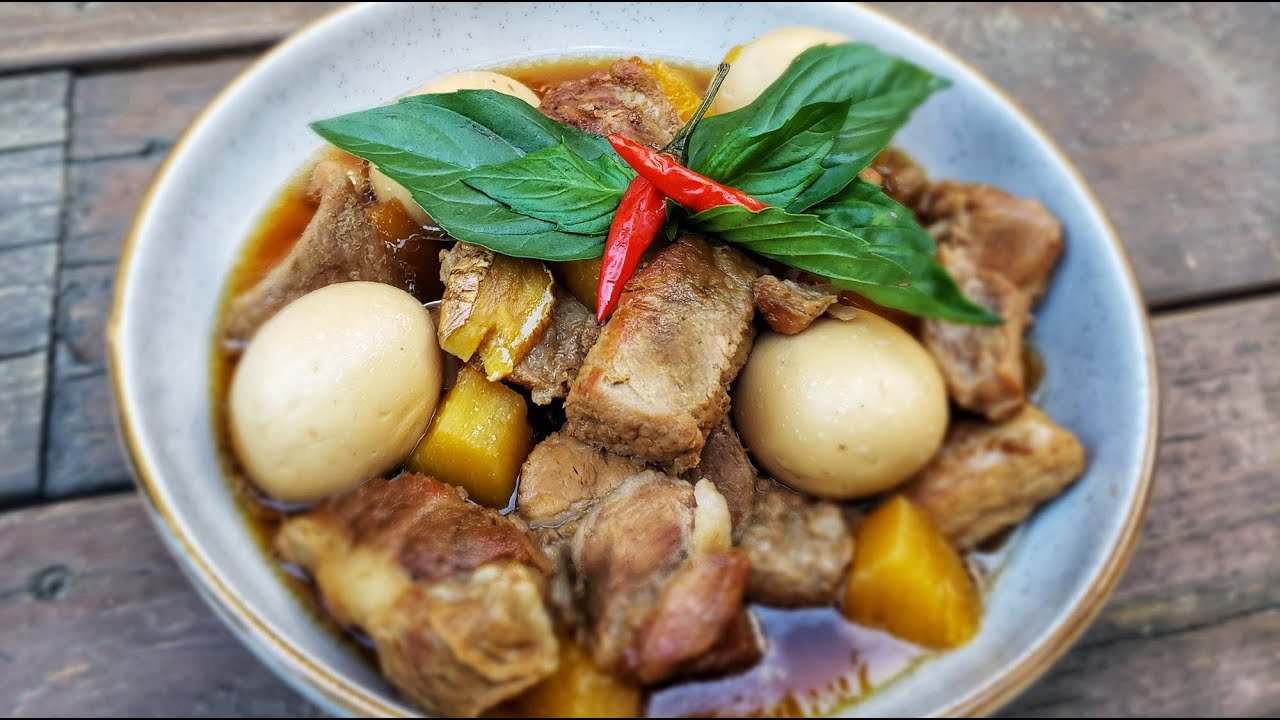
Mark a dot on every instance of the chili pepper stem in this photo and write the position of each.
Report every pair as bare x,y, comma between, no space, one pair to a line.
679,145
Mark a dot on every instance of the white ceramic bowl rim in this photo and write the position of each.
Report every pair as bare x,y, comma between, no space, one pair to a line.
318,679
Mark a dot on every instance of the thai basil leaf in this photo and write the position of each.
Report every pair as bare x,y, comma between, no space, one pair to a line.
429,143
896,276
882,91
865,210
775,166
559,186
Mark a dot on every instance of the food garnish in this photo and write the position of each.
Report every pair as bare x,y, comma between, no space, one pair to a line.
493,171
688,188
642,213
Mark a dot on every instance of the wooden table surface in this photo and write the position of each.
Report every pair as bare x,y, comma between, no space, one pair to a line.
1170,110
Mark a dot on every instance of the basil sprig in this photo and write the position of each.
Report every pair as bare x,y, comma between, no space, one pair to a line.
493,171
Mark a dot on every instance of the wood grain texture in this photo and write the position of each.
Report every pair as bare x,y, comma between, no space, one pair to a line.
98,621
31,195
141,111
1193,628
33,109
1168,108
33,133
22,391
84,33
83,453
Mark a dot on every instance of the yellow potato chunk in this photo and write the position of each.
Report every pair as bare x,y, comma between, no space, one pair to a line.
908,580
581,278
579,689
495,306
478,439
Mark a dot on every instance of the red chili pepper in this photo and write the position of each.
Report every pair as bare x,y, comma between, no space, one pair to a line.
640,216
688,188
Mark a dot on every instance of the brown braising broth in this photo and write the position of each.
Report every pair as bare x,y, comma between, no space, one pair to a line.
817,661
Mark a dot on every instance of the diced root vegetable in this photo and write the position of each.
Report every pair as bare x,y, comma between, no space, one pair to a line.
907,579
477,440
579,689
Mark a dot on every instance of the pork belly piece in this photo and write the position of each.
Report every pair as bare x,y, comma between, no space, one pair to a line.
787,306
451,593
1015,237
982,364
563,477
725,463
657,380
658,581
554,361
341,243
800,549
625,99
899,176
989,477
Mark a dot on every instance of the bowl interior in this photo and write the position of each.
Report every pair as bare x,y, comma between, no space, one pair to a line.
220,178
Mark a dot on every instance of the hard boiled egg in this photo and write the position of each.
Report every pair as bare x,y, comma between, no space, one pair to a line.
387,189
757,64
333,390
845,409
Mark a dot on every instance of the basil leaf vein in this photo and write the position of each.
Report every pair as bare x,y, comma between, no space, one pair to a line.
558,186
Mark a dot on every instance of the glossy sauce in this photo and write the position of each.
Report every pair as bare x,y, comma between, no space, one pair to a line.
817,662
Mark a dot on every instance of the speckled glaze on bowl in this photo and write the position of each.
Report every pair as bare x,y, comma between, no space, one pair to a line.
1092,329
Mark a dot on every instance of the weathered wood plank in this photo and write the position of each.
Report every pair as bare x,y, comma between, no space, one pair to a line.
22,392
1169,109
1193,628
31,194
1226,669
143,110
26,297
33,133
33,109
97,620
88,33
83,453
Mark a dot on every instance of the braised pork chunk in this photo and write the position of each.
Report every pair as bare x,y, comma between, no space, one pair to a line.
625,99
655,593
989,477
982,365
724,462
563,478
554,361
341,243
657,380
1015,237
450,593
787,306
800,549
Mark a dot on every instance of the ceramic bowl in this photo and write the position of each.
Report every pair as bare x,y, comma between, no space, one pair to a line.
1092,329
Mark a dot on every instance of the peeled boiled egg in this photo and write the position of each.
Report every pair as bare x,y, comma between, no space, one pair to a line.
845,409
333,390
387,189
754,66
